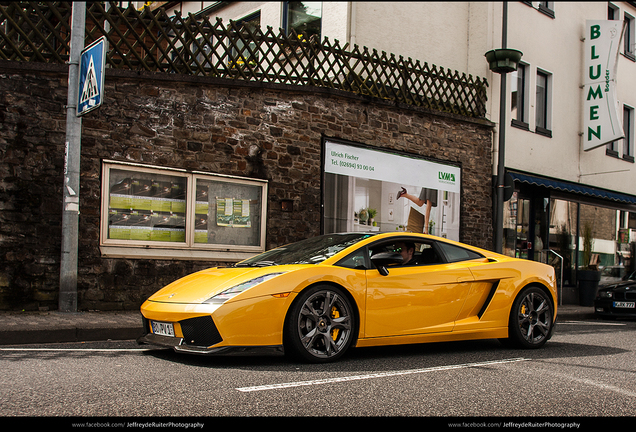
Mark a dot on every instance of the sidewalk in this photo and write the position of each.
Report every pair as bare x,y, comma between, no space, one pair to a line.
51,327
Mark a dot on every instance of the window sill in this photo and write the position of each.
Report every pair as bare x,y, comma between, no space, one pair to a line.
627,158
630,56
544,10
520,125
611,153
543,132
173,254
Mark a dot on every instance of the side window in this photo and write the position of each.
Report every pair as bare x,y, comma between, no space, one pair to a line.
413,253
455,253
355,260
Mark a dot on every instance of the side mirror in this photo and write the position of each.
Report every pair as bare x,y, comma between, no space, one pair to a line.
383,259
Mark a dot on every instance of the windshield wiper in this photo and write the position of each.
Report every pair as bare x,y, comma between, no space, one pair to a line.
256,264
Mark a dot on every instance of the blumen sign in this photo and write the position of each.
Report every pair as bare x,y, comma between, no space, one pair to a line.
600,108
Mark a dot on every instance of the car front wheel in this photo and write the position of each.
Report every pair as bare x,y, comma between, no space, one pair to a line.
531,319
321,325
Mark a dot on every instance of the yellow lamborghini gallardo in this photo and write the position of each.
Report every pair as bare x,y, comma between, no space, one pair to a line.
316,298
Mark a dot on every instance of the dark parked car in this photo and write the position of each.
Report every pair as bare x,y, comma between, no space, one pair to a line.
617,299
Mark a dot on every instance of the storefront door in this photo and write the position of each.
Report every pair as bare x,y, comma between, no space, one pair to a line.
526,233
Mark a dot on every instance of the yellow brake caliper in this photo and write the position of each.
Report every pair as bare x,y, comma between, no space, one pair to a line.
334,314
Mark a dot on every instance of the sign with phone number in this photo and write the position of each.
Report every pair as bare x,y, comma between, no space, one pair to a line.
378,165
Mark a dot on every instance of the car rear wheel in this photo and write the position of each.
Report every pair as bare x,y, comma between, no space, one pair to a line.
531,319
321,325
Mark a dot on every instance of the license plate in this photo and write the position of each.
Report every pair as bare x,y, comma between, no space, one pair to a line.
163,329
624,304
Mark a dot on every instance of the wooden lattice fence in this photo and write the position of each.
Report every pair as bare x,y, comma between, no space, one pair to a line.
150,40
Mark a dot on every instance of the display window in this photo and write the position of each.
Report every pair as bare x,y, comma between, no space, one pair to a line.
190,213
366,189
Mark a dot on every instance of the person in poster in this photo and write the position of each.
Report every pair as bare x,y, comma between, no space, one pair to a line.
428,197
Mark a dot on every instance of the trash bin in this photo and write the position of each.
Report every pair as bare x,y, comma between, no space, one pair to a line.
588,285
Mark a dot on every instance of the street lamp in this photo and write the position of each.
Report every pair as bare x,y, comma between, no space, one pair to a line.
502,61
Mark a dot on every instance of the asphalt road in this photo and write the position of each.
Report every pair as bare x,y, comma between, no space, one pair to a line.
586,370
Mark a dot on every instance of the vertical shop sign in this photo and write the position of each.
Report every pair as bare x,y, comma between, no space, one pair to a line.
600,109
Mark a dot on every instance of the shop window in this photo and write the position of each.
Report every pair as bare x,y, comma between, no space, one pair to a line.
305,18
174,214
365,189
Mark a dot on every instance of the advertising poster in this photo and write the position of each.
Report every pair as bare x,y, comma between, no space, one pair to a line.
373,190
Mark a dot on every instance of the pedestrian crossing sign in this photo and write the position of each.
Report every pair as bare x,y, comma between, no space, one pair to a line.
91,77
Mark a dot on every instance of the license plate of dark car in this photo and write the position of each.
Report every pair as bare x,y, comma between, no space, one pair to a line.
618,304
163,329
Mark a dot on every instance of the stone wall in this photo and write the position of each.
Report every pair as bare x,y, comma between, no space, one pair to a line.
269,132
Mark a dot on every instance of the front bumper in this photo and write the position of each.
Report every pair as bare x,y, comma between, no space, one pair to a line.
177,344
606,308
199,337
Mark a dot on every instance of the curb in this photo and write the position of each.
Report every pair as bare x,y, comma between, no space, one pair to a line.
22,337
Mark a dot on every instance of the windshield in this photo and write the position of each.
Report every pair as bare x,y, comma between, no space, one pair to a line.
310,251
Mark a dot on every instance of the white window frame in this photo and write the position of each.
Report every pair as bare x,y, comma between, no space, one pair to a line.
525,120
287,26
547,130
629,47
615,12
179,250
627,146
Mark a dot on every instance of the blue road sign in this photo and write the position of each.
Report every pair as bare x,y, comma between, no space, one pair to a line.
91,77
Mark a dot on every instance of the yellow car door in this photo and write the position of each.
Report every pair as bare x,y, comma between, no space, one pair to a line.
416,300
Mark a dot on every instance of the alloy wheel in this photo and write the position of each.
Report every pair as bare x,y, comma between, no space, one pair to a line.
322,324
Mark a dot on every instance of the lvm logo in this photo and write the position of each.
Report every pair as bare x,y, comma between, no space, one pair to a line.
446,177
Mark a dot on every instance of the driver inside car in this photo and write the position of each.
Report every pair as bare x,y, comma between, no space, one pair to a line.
406,249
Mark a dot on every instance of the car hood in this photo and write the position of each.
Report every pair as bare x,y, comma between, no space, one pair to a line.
620,286
198,287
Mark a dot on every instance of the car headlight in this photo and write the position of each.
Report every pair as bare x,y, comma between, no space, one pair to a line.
237,289
605,294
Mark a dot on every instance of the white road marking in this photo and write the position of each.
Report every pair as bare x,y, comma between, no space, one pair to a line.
592,323
586,381
76,349
376,375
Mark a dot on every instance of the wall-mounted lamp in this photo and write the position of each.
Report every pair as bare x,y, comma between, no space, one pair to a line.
503,60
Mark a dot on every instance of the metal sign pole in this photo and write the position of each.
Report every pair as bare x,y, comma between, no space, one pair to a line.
71,187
